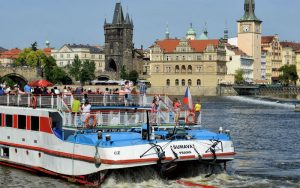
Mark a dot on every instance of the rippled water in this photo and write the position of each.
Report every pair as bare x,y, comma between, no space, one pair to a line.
266,137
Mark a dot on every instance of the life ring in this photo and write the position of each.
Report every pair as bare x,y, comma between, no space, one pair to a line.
190,118
33,102
88,122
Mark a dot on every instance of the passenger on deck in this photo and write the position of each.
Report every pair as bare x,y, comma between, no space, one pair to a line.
154,107
128,97
177,108
86,109
197,110
75,105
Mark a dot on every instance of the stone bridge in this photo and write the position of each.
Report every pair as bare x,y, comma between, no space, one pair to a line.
20,75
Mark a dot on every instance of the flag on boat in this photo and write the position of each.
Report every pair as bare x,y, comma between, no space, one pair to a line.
187,100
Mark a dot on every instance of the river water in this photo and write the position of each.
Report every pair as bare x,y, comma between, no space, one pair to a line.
265,134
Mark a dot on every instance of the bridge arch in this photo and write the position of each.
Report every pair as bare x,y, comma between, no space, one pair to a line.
16,78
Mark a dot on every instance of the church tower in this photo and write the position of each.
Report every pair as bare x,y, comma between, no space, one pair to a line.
249,36
118,42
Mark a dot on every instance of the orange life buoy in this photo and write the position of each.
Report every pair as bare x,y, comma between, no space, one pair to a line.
88,122
190,118
33,102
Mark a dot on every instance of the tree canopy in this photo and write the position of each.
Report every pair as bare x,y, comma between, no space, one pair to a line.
82,71
289,74
238,77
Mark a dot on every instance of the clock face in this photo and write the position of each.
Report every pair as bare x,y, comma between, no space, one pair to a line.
246,28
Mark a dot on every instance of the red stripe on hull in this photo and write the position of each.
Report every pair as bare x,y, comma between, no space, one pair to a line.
75,179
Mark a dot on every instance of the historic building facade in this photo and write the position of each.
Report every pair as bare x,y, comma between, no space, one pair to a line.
271,45
298,65
249,36
8,57
118,42
237,59
65,55
176,64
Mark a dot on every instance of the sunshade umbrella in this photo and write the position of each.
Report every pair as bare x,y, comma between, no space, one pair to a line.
40,83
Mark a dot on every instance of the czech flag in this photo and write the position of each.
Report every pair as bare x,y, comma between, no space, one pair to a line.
187,100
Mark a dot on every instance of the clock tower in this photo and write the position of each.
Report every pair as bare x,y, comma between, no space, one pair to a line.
249,36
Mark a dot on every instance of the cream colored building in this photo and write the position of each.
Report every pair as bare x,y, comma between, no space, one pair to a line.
237,59
272,46
66,54
176,64
298,65
289,52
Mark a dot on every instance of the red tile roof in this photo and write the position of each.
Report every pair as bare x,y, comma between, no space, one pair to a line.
11,54
267,39
293,45
169,45
47,51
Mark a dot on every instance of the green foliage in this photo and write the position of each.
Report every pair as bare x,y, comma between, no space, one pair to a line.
8,81
289,74
238,77
75,68
123,73
133,76
29,57
82,72
53,73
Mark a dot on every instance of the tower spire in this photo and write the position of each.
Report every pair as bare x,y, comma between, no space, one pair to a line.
167,34
249,11
118,14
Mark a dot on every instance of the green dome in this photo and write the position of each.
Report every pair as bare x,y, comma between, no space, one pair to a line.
191,31
203,36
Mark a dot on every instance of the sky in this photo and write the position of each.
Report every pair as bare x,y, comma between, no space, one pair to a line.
81,21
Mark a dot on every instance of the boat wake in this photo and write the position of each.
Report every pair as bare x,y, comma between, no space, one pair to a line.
265,101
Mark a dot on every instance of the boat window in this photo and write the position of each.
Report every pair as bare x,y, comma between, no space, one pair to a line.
35,123
21,122
8,120
0,119
4,152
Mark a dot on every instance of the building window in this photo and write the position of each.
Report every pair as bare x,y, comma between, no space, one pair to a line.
190,69
183,58
189,82
157,69
230,58
198,82
168,69
177,68
168,82
209,57
93,56
8,120
183,82
61,55
199,57
21,122
176,82
183,68
198,68
177,58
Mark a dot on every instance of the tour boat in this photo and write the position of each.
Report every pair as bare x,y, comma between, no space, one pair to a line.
41,134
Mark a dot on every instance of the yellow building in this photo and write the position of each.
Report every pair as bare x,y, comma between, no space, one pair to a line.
272,46
298,65
176,64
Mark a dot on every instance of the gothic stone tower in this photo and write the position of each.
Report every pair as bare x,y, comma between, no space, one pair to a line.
249,36
118,42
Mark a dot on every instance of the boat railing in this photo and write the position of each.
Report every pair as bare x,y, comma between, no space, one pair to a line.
34,101
117,118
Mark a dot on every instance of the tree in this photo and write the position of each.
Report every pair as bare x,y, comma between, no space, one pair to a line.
238,77
123,73
133,76
289,74
82,71
75,68
30,57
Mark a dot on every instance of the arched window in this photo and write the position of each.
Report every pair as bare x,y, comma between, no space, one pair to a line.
189,82
182,68
177,68
176,82
168,82
198,82
183,82
190,68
